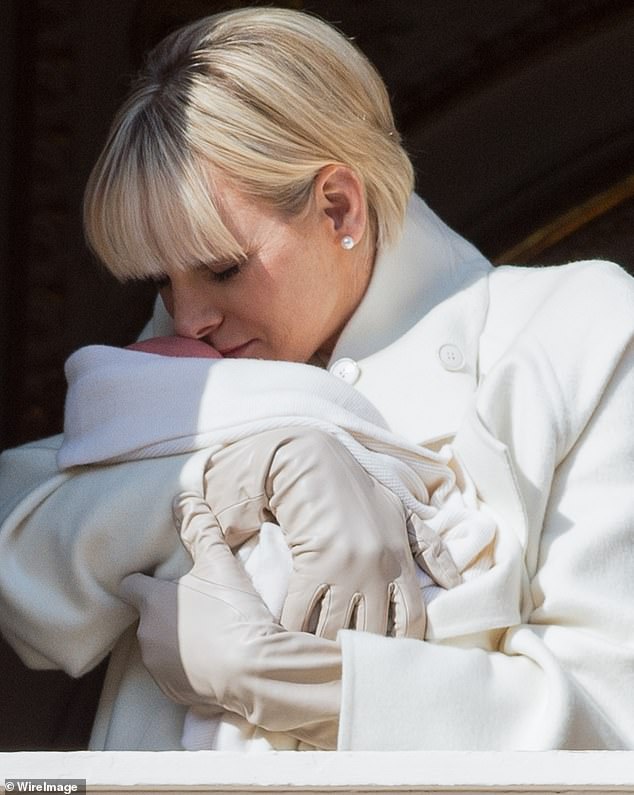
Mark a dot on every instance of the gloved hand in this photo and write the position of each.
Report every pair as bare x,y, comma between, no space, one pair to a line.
352,563
208,639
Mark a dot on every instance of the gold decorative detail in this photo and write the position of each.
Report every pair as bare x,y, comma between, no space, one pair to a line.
563,226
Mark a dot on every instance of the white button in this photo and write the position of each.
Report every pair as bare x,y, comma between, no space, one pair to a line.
346,369
451,357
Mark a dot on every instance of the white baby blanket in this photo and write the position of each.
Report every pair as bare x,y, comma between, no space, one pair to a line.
127,405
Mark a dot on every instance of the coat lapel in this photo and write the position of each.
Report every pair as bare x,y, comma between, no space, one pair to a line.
423,382
489,463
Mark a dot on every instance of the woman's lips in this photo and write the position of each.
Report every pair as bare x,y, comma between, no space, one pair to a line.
238,351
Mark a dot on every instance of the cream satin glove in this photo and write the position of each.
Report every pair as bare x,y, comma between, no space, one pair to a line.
208,639
352,563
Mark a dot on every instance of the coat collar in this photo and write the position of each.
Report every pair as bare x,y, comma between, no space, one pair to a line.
425,305
428,264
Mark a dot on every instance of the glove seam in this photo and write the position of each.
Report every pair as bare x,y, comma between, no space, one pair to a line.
237,504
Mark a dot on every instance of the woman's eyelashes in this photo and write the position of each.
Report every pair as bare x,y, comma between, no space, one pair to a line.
223,271
216,272
226,273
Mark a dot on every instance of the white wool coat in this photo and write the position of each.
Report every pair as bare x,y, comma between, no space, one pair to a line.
531,373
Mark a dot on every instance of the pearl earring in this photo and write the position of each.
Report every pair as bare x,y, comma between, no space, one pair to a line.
347,242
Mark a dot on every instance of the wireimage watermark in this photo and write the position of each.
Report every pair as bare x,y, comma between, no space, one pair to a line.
69,786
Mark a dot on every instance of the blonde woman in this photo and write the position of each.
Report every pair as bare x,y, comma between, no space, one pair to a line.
255,174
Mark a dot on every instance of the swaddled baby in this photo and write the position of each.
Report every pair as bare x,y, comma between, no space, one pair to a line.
294,475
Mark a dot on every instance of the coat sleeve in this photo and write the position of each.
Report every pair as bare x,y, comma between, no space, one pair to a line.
557,409
66,541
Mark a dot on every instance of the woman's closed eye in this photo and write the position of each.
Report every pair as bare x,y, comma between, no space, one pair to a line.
216,273
225,273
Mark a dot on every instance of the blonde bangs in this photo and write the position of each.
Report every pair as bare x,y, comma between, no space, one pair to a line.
149,211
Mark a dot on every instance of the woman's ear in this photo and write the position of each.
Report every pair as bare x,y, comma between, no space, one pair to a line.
339,194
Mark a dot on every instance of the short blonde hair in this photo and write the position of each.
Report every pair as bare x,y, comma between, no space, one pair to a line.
265,97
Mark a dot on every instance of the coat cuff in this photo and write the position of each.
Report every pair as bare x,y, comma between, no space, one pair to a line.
401,694
377,672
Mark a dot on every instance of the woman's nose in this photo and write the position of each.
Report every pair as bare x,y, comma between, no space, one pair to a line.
194,315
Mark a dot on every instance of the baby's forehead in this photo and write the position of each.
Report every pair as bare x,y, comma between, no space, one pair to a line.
185,347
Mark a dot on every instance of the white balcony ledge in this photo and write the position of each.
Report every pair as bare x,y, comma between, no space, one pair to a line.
359,773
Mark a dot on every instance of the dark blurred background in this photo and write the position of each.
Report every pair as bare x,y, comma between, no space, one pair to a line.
519,118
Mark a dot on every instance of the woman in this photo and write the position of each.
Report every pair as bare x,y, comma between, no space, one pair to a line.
256,174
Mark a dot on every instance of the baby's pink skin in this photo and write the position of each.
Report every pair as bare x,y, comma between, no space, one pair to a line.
176,346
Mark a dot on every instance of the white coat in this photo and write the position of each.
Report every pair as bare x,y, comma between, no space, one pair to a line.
531,372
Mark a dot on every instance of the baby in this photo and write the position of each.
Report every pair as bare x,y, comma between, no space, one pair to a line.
296,470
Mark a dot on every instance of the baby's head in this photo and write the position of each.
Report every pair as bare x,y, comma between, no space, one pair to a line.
176,346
